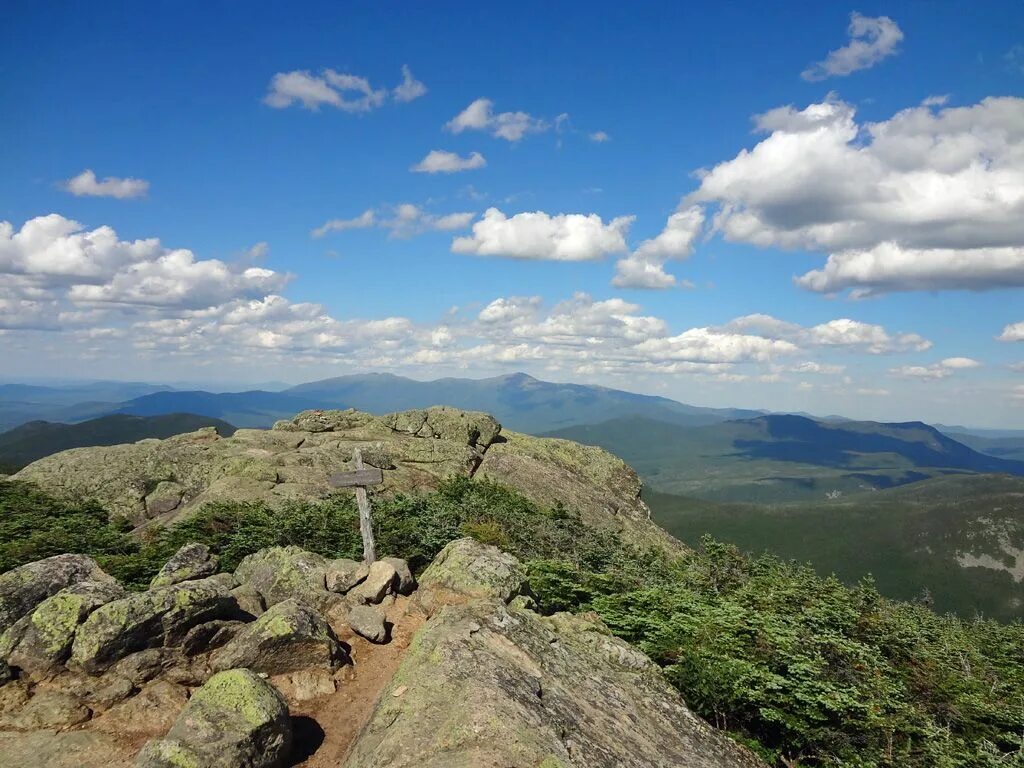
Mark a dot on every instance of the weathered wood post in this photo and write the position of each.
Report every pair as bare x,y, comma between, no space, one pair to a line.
359,478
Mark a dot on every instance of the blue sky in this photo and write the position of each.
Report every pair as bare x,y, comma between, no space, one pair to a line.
897,159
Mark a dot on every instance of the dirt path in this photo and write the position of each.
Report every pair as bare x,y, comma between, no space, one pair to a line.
339,718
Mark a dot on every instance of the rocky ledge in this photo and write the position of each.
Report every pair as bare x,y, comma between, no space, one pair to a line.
163,480
297,660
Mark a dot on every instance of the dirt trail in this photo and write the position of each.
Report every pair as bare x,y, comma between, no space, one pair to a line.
342,715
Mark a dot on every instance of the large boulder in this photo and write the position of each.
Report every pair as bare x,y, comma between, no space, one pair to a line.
284,573
289,636
466,569
192,561
236,720
368,621
343,574
487,685
381,580
158,617
39,643
23,588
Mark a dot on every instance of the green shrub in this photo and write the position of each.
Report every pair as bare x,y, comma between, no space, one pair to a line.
804,670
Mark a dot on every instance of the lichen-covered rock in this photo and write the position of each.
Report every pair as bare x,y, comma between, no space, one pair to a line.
168,479
192,561
515,689
343,574
47,709
204,638
38,644
368,621
601,487
440,422
236,720
23,588
283,573
380,581
158,617
406,583
249,600
288,637
467,569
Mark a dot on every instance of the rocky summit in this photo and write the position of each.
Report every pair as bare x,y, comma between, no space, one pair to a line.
456,670
164,480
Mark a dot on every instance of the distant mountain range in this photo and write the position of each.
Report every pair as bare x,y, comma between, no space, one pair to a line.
23,445
783,458
520,402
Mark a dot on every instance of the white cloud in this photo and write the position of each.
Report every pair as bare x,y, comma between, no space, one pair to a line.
410,88
86,184
440,161
704,345
511,126
1012,332
539,235
55,258
644,267
600,137
840,333
177,279
927,200
362,221
403,220
889,267
504,310
940,370
871,40
409,219
349,93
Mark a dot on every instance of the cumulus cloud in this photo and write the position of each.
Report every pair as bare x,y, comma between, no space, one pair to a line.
410,88
839,333
440,161
645,267
931,199
349,93
539,235
403,220
1012,332
940,370
511,126
56,259
86,184
871,40
600,137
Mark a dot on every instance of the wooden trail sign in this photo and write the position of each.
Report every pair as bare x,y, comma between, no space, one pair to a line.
360,478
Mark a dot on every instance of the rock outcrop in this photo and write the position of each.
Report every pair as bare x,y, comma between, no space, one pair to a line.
163,480
236,720
488,684
22,589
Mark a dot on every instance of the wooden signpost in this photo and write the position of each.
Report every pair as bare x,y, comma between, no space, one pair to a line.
360,478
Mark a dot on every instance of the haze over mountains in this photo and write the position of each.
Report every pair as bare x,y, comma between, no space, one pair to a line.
519,401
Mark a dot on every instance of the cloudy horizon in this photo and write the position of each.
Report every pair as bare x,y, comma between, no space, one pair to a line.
843,234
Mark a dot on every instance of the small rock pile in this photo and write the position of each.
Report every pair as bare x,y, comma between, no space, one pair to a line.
225,650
